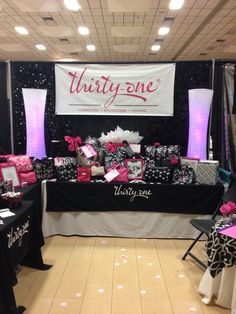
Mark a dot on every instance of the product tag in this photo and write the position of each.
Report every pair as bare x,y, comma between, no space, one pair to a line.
111,175
88,150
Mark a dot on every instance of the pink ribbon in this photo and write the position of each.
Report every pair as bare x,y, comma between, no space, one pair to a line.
74,142
174,160
228,209
112,147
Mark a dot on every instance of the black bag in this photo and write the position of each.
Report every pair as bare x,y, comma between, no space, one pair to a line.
64,161
66,173
172,151
183,175
154,152
44,168
163,155
158,174
117,157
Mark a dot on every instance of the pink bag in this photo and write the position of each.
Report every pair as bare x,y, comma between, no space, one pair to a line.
28,177
123,174
83,174
22,162
6,156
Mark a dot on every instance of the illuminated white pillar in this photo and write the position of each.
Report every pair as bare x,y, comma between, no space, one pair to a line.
34,102
199,108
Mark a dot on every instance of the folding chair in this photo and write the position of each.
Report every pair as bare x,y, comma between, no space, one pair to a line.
205,225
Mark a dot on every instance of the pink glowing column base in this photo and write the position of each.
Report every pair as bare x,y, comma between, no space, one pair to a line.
199,109
34,101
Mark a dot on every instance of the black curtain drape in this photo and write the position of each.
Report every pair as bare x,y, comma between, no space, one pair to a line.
166,130
234,105
218,129
5,144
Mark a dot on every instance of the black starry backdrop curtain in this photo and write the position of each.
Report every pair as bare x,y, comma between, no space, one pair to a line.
5,144
166,130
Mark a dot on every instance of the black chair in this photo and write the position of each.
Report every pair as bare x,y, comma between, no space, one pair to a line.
205,225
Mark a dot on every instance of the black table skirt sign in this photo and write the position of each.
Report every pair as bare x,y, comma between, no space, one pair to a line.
116,196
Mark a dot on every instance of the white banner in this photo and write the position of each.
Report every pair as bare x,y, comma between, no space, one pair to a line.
121,89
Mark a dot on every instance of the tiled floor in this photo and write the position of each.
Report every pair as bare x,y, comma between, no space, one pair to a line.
94,275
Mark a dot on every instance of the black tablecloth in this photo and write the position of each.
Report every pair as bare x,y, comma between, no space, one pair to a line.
33,193
221,250
20,242
186,199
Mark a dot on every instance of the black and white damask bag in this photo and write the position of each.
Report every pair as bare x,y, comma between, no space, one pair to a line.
44,168
183,175
158,174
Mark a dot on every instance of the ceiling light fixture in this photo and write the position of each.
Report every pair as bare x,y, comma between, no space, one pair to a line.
72,5
91,47
163,30
83,30
40,47
21,30
176,4
155,47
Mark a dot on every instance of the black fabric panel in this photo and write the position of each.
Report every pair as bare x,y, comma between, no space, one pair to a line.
218,123
234,105
217,131
170,198
166,130
5,143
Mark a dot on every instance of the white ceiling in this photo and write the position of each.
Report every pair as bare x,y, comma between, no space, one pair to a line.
121,30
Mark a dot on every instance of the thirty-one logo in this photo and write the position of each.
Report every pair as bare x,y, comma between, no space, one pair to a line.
17,234
131,192
104,85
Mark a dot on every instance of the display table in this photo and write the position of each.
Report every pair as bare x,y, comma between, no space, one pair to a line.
222,287
219,279
126,210
20,243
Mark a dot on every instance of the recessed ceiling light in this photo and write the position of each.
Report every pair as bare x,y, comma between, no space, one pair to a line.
163,30
72,5
40,47
21,30
91,47
83,30
155,47
176,4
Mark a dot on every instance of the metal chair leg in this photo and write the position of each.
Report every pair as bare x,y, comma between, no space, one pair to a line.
191,246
